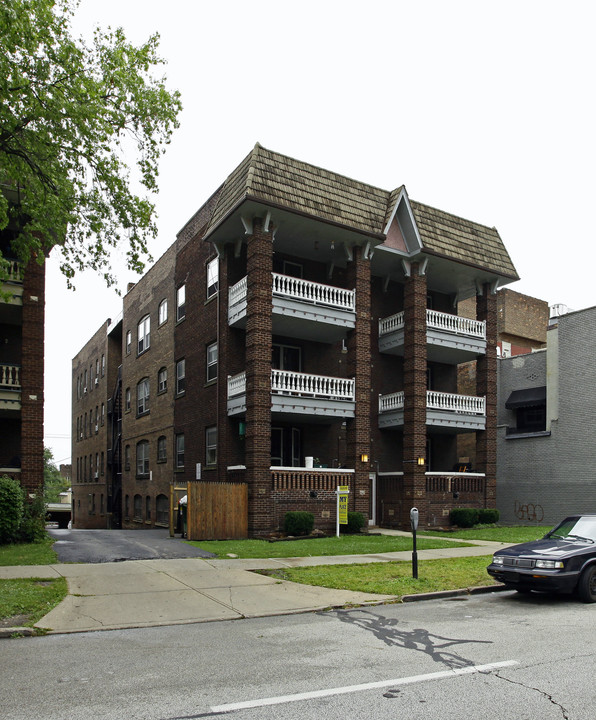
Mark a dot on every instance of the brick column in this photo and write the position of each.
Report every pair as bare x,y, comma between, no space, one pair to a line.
414,444
259,323
32,359
486,385
358,366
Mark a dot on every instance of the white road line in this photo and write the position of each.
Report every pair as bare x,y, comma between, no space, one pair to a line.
280,699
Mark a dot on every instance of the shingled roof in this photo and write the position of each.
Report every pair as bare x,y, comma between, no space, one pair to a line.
281,181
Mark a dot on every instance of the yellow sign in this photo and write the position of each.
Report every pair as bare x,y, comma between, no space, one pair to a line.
342,504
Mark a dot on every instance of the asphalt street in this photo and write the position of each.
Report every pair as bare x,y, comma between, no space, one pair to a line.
100,546
500,656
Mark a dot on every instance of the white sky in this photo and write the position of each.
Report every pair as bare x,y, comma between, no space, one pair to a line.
483,109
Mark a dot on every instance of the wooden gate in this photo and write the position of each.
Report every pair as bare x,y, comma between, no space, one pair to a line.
217,510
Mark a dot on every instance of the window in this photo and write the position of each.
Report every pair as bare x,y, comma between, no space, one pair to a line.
180,450
103,365
211,362
143,397
143,458
127,457
161,449
138,508
212,277
286,357
103,414
96,467
162,510
211,446
292,269
127,399
181,302
148,508
180,377
101,467
144,334
162,312
162,380
128,342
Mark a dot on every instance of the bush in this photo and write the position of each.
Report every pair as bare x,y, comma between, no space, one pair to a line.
464,517
355,524
299,523
33,523
487,516
11,509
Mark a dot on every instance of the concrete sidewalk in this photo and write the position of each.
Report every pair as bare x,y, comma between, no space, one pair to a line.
144,593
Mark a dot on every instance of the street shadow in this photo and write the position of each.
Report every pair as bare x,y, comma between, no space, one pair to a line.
418,639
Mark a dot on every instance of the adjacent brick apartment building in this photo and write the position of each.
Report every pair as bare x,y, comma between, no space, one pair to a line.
22,308
300,334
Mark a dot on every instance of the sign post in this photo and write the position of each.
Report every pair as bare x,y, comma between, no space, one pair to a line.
414,522
342,493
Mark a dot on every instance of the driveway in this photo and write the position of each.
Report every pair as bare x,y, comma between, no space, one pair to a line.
102,546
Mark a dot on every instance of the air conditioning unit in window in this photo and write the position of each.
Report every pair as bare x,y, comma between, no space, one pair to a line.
84,391
96,476
96,428
96,382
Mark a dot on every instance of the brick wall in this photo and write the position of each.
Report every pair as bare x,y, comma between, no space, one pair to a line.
32,366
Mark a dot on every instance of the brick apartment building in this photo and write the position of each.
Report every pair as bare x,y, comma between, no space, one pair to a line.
22,307
300,334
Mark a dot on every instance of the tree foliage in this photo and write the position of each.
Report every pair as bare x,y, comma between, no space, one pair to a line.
53,482
71,113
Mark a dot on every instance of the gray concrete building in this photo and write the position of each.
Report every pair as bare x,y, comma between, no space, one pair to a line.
546,452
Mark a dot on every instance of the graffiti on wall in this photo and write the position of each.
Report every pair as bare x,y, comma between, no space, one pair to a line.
528,511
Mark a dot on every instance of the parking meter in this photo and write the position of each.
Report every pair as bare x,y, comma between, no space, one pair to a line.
414,523
414,518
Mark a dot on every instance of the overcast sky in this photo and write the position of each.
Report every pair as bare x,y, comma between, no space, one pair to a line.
483,109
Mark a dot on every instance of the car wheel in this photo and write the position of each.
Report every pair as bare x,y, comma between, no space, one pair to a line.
586,587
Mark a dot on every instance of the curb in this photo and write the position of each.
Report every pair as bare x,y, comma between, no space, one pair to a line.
483,589
10,632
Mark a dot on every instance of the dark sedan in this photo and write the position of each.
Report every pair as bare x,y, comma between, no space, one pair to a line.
563,561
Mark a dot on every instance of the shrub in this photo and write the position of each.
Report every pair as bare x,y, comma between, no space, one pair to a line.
355,524
33,523
464,517
299,523
11,509
488,516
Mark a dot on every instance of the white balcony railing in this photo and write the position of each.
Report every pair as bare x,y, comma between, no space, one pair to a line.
301,290
305,384
445,322
236,384
449,402
393,401
314,293
285,382
10,377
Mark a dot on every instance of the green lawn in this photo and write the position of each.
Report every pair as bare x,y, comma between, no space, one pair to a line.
394,578
28,600
28,553
344,545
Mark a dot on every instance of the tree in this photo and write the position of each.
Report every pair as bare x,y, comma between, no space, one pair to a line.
53,482
70,115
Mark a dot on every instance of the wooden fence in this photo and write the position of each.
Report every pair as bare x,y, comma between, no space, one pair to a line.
217,510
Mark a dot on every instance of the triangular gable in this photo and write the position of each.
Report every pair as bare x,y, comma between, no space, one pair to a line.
401,232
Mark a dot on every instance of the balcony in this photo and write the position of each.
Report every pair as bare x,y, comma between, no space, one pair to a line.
301,308
444,411
13,286
450,339
10,387
296,393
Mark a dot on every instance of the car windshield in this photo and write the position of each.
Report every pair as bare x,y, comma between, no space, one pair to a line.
582,528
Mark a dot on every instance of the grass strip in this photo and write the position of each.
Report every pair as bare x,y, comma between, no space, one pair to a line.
316,547
30,597
40,553
394,578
